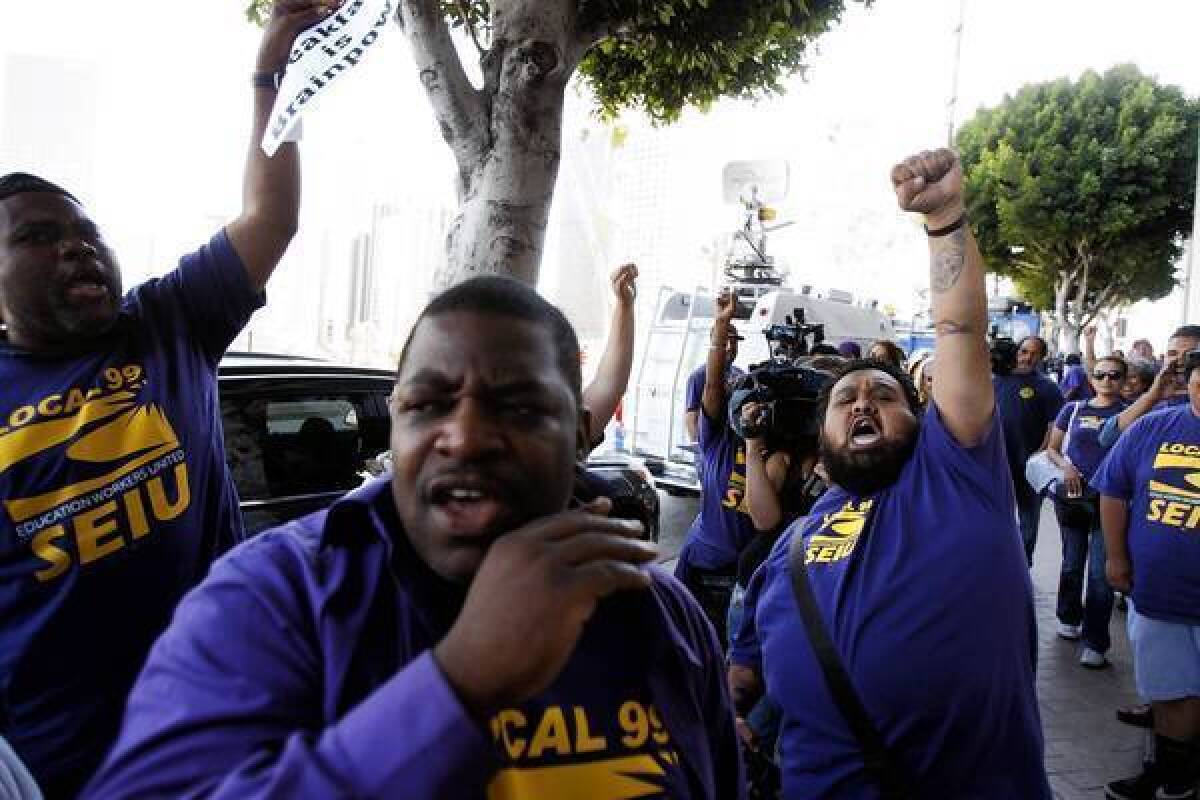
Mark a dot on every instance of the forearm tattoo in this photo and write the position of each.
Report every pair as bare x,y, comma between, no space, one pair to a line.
947,256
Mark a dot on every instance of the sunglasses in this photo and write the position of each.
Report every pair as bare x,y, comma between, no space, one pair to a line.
1114,375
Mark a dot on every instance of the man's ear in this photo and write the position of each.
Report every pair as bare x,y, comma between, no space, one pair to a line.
583,433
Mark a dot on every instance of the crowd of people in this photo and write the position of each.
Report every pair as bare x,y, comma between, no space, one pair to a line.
851,615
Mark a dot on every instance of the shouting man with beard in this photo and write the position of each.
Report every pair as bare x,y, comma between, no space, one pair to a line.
915,566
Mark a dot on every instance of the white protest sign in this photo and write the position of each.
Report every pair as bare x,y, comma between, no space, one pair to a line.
319,55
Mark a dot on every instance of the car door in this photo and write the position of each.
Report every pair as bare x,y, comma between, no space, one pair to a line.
296,443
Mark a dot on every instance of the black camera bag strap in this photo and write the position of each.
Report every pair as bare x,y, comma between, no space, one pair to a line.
880,762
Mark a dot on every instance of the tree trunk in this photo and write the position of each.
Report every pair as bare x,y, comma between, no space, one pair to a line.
507,136
1062,288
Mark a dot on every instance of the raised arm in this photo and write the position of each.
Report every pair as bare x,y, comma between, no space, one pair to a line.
271,186
602,395
765,475
1164,384
931,183
712,401
1089,348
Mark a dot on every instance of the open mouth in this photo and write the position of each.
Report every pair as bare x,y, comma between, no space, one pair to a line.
87,285
87,290
469,507
864,432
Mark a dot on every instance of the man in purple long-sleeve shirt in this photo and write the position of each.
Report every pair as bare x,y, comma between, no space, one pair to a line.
453,631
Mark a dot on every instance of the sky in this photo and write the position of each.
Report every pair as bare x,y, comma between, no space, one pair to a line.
174,105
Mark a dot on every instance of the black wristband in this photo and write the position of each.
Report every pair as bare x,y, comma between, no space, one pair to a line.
267,80
951,228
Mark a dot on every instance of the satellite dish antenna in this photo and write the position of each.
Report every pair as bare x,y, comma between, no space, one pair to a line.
756,182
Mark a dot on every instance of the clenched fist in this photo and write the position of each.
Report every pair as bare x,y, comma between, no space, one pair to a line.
624,284
530,599
726,305
930,183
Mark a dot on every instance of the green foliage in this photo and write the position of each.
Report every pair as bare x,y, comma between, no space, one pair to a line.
1101,170
671,54
662,56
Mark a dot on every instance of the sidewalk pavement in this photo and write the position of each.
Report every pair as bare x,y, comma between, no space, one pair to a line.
1085,745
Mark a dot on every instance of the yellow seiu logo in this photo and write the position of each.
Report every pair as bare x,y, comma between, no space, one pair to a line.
1027,393
137,471
632,763
839,533
1174,490
735,491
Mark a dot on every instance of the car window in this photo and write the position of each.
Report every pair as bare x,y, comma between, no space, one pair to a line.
281,442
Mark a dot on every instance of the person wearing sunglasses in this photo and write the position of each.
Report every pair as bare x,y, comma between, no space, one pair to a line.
1075,447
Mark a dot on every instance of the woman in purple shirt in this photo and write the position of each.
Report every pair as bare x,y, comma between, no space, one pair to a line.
1075,447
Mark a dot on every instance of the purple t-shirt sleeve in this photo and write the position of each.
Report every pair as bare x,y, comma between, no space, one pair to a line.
228,706
939,456
695,390
209,292
1064,418
711,432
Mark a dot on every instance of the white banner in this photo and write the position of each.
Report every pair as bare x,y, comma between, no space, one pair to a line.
319,56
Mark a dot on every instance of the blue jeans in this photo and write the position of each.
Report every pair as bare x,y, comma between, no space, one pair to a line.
764,719
1095,609
1029,513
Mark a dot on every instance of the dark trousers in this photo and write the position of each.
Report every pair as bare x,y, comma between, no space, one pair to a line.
1080,547
712,589
1029,512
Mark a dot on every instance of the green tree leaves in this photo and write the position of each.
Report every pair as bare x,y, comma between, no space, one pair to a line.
1084,190
664,56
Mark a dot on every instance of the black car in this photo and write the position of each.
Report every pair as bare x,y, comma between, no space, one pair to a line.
300,432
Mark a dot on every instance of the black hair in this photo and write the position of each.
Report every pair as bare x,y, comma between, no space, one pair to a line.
1144,369
1041,343
1072,359
22,182
824,349
895,353
860,364
505,297
1187,332
1120,361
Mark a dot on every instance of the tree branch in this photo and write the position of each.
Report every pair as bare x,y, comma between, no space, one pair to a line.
469,25
456,104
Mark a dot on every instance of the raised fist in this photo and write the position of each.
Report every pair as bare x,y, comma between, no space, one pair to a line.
726,305
930,183
624,284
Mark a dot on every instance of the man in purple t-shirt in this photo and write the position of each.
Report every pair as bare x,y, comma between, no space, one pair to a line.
116,497
707,563
1150,513
914,562
695,385
452,630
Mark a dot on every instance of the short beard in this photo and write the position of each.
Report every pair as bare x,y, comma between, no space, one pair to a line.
865,473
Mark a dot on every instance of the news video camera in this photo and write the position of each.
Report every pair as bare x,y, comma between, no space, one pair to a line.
1003,352
794,338
787,391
